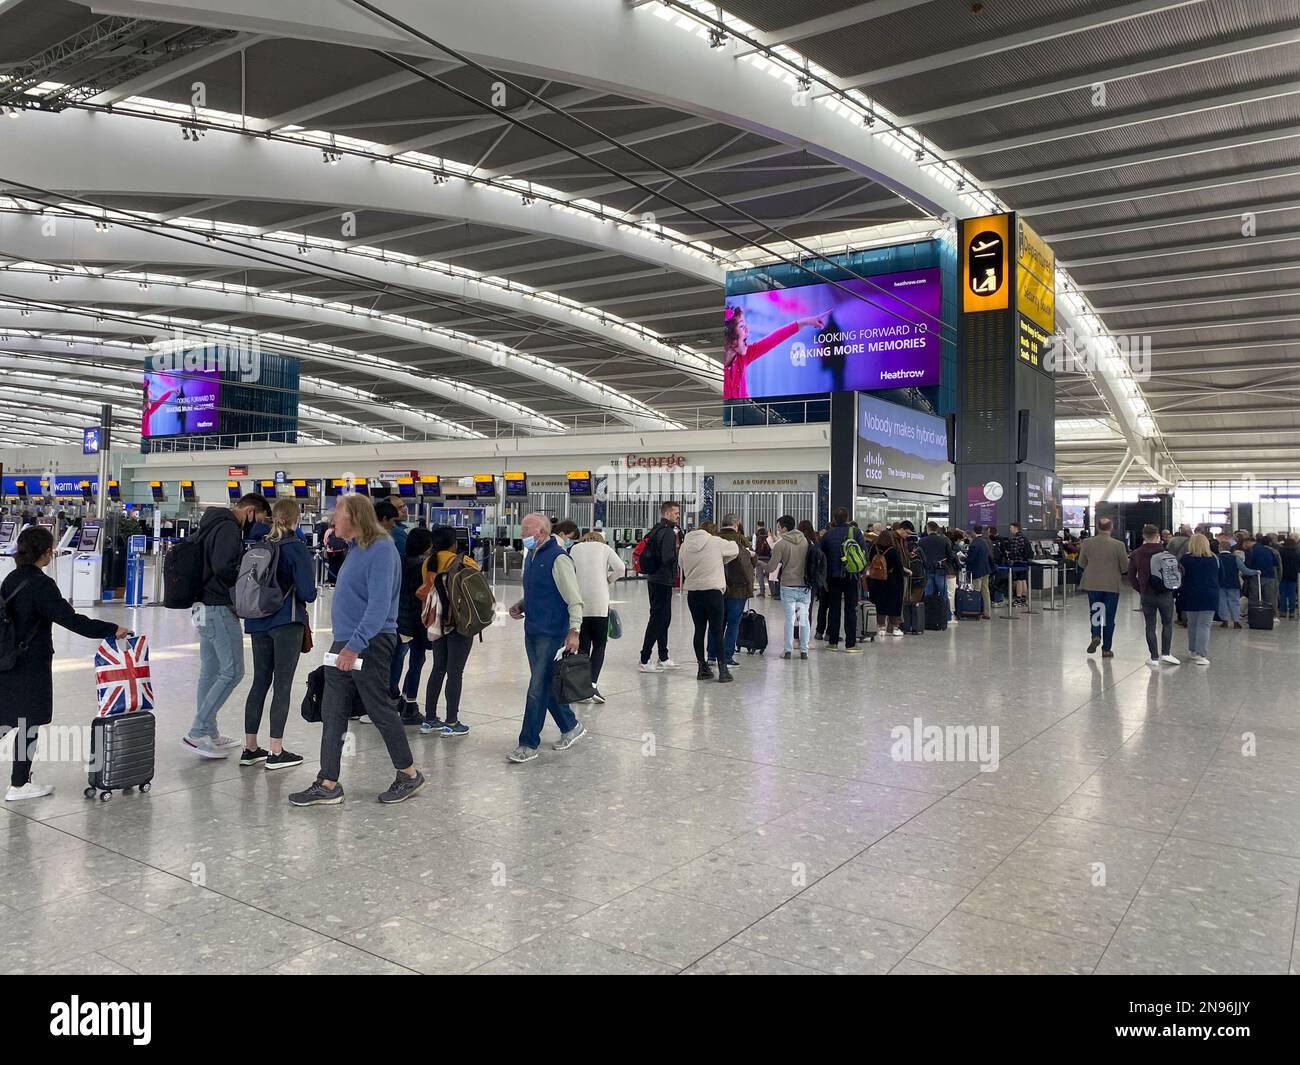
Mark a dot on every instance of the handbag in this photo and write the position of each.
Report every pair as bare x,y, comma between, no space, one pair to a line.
615,625
307,643
571,679
311,702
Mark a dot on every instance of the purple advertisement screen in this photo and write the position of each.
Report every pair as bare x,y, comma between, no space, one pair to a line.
176,403
822,338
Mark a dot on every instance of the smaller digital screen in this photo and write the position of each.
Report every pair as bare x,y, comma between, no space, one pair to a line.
232,489
90,440
516,485
21,486
430,486
268,489
299,489
187,491
86,491
361,488
405,487
485,485
579,483
89,539
7,529
114,490
336,488
156,490
1075,516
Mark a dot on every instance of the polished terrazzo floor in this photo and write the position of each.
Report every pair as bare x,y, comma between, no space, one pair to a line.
1138,821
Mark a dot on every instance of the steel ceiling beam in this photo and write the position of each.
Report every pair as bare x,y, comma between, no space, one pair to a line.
1067,130
177,68
1235,244
1171,188
1085,80
84,291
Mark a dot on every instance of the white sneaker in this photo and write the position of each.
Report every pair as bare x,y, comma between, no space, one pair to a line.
204,747
650,667
1172,660
668,663
225,742
1200,660
1153,663
898,633
952,620
30,790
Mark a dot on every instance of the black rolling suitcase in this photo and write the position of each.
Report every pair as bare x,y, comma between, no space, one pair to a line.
935,608
752,637
913,618
866,626
1259,615
121,754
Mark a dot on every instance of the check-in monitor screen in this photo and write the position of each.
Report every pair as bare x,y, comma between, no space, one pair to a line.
89,540
7,530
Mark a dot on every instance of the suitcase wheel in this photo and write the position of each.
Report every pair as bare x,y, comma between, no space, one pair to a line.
89,793
104,796
146,785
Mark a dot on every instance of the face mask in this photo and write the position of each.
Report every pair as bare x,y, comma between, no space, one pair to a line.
565,542
530,542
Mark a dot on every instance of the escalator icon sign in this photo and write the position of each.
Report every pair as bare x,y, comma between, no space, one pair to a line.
986,263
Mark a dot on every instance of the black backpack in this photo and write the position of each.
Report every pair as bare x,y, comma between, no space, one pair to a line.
10,648
814,568
184,572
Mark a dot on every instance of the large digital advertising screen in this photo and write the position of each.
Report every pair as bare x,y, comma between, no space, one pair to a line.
1040,506
178,403
902,448
854,336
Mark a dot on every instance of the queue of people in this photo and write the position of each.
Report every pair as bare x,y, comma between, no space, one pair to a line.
401,597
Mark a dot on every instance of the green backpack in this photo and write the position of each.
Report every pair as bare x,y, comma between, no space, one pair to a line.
853,560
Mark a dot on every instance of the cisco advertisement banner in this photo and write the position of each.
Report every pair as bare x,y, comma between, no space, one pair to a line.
820,338
177,403
902,448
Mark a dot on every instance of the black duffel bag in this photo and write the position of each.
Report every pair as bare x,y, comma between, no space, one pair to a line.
571,681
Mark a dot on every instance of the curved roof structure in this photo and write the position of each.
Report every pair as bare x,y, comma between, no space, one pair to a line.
465,222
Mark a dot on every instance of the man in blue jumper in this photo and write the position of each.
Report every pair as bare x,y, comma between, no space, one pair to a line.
552,613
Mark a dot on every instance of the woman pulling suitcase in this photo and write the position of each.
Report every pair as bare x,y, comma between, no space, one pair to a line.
34,606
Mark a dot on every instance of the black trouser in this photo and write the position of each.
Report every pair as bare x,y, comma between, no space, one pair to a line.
823,607
447,661
708,611
1163,604
661,616
841,590
24,748
370,683
592,638
275,660
418,649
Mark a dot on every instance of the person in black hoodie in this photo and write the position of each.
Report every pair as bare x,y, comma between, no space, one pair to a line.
221,638
410,629
34,605
661,542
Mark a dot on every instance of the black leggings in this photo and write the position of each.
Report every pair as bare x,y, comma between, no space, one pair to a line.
708,611
23,753
592,638
275,660
447,661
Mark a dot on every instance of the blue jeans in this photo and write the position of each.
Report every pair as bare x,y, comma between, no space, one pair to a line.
541,667
1287,596
936,583
221,666
418,648
1198,632
1110,602
731,633
1230,604
795,601
395,669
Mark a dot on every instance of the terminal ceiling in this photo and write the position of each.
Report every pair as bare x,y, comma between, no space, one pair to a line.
1171,198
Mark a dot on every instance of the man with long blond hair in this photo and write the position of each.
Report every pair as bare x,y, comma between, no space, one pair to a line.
363,616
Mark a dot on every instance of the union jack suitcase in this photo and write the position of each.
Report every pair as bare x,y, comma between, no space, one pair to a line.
121,754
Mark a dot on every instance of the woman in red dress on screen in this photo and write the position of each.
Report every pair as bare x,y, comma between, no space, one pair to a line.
738,352
151,405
